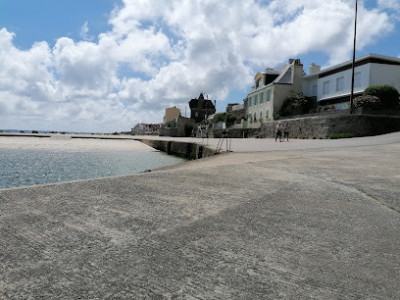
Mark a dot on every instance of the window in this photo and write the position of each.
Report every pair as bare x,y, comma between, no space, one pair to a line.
340,84
325,88
314,90
267,114
260,115
357,79
261,97
249,102
256,100
268,95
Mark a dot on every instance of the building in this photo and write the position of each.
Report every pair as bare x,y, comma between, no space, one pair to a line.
270,89
171,113
332,86
201,109
145,129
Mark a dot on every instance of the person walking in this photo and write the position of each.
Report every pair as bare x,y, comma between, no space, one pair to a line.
278,132
286,131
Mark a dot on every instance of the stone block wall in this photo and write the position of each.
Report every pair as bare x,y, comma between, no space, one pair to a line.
322,126
182,149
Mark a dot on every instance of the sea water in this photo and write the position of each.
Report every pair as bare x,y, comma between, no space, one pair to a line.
22,167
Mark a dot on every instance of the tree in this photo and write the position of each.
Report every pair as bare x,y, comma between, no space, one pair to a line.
228,118
297,104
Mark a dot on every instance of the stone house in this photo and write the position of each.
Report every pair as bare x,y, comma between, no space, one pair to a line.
201,108
271,87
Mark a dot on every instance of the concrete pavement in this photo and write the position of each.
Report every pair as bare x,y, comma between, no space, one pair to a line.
303,222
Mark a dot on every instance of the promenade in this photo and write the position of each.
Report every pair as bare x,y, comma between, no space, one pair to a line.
305,219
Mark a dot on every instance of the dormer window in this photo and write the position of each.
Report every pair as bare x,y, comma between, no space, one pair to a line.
258,83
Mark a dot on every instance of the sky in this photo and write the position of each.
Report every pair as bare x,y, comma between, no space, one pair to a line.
106,65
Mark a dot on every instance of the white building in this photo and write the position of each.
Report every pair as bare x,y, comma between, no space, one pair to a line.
270,89
332,86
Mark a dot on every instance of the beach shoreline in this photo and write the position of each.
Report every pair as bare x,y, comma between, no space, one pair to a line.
71,142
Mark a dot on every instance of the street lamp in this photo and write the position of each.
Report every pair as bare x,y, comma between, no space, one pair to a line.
353,64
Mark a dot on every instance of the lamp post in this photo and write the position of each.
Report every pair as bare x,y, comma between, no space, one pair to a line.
353,64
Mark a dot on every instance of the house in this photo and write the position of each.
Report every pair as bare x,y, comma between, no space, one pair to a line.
201,109
271,87
332,86
171,113
145,129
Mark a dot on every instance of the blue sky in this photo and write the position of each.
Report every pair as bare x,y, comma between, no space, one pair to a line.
105,65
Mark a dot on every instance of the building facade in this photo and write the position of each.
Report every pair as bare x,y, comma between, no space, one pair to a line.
332,86
146,129
171,113
201,109
270,89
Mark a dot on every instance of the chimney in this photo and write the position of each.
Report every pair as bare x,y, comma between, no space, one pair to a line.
314,68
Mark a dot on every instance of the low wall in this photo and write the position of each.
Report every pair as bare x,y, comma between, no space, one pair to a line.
323,126
236,132
182,149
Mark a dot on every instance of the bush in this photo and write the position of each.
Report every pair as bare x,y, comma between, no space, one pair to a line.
297,104
388,95
218,118
228,118
368,101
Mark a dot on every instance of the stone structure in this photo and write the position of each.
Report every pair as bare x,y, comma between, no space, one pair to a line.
270,89
146,129
323,126
178,127
171,113
183,149
201,109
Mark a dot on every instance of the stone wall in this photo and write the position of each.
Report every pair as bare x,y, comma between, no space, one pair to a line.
182,127
182,149
236,132
323,126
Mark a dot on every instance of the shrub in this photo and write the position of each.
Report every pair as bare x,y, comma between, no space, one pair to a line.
228,118
297,104
368,101
218,118
388,95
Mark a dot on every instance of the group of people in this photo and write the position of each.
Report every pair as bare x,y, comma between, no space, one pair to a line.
282,128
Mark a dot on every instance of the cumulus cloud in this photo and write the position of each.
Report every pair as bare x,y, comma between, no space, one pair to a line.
160,54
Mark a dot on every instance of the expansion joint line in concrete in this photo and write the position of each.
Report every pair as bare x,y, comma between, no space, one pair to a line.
357,190
375,199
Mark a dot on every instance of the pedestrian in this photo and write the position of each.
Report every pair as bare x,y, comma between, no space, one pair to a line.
286,131
278,132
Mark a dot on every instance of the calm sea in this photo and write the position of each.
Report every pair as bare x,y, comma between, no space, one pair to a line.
22,167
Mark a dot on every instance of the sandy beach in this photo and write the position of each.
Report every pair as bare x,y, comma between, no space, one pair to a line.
69,142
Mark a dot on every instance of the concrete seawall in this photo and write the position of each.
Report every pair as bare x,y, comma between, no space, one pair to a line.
287,224
187,150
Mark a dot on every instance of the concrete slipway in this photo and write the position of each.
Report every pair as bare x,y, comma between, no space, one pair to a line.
290,222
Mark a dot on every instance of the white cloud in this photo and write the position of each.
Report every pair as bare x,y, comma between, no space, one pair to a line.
84,33
160,54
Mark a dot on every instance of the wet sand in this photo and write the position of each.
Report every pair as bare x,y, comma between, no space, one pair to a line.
70,142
